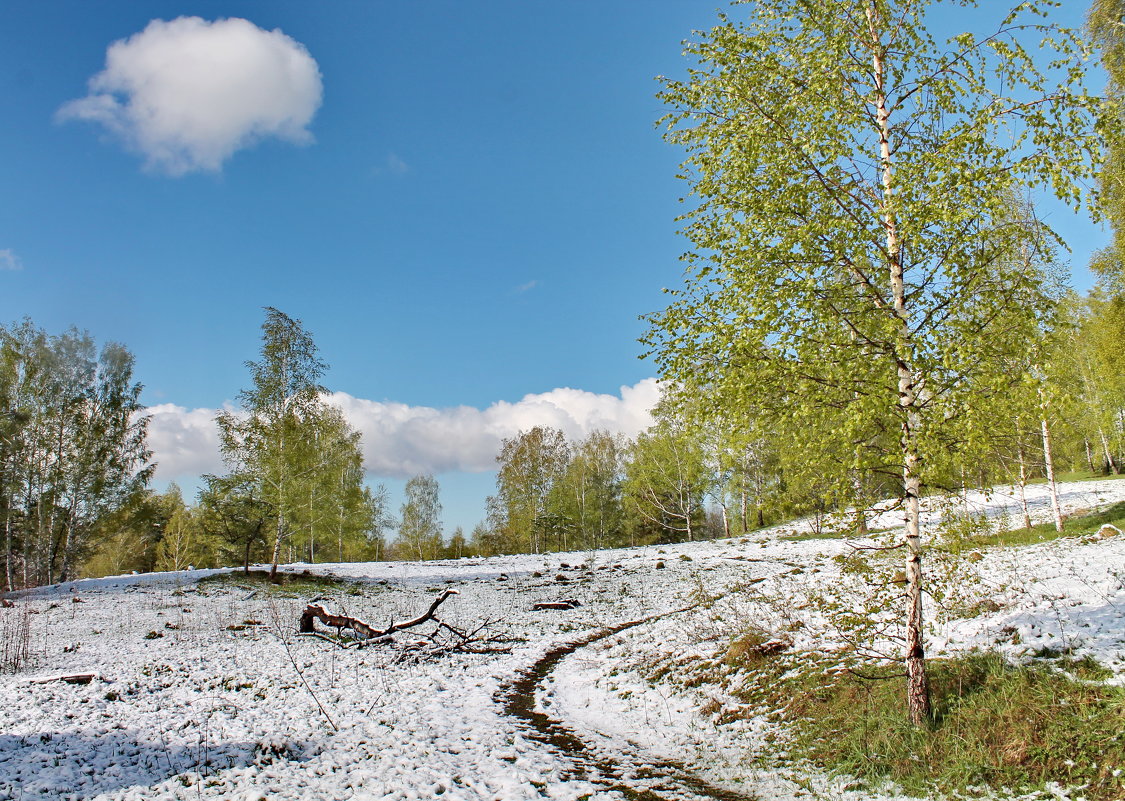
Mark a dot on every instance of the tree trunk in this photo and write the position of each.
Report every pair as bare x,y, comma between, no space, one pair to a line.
276,549
742,503
1023,488
1049,463
8,546
1089,455
917,683
1108,456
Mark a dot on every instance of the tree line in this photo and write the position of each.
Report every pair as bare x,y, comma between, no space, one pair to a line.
75,467
705,470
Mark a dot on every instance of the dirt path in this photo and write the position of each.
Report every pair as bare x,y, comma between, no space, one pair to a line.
635,775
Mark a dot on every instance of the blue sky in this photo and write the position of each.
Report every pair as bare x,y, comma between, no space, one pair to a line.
480,211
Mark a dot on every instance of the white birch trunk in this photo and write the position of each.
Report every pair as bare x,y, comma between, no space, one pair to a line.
917,683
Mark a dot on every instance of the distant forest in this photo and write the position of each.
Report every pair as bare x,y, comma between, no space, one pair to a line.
75,467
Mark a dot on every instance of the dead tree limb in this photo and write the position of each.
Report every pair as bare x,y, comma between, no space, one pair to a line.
365,631
69,678
567,604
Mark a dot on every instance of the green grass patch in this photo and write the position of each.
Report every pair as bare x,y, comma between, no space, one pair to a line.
1077,475
284,584
995,725
1080,525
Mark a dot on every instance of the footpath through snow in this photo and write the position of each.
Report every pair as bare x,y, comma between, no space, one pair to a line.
204,691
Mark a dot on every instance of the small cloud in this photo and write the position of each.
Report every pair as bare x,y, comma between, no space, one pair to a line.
189,93
530,285
392,166
9,260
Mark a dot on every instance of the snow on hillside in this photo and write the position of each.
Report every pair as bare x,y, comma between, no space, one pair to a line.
203,689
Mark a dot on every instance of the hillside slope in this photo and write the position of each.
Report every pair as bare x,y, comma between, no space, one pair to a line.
205,691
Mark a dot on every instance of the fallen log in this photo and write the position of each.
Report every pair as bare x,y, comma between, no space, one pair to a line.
570,603
69,678
365,631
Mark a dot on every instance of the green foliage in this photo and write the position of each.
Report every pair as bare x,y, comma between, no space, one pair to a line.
667,480
787,308
232,513
1104,27
296,466
72,449
859,277
584,505
530,465
419,534
457,546
153,531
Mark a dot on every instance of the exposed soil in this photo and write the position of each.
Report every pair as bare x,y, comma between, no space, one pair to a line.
637,776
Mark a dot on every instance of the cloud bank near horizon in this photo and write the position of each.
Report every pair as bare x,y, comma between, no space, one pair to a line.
401,441
187,94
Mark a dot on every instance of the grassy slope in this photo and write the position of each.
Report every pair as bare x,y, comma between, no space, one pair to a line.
996,725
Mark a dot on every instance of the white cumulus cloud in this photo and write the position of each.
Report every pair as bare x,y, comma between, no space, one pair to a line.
401,440
188,93
184,442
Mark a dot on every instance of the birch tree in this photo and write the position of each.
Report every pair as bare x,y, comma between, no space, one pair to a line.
72,448
529,465
851,247
419,533
666,478
268,442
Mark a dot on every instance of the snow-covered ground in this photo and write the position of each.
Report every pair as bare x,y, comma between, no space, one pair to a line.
205,691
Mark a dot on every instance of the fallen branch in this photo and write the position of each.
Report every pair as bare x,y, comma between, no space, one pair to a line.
69,678
570,603
365,631
443,639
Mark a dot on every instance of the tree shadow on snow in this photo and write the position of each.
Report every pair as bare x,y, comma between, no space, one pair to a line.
81,765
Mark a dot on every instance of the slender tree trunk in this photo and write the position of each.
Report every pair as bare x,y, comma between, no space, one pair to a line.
8,556
861,528
1089,455
1105,449
742,503
917,682
759,511
276,551
1049,463
1023,488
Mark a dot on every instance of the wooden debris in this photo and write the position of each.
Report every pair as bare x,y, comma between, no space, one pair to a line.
442,640
364,630
570,603
69,678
